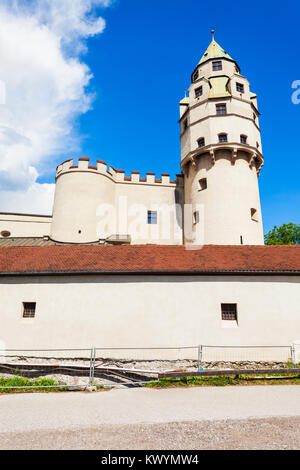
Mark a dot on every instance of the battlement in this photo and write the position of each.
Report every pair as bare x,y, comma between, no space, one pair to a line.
117,176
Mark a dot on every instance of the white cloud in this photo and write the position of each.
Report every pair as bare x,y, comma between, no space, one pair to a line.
45,90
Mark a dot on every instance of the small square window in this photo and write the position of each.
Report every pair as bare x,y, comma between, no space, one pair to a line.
217,65
221,109
240,88
29,309
229,312
243,139
199,92
152,217
201,142
222,138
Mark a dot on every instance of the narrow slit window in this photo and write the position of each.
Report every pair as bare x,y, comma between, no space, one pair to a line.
229,312
29,309
196,217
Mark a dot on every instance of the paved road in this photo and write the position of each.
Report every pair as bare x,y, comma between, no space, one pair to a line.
129,418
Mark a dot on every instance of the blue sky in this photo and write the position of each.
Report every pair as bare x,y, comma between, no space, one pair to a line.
141,66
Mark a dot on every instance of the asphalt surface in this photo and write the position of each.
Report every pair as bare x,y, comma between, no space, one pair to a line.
179,418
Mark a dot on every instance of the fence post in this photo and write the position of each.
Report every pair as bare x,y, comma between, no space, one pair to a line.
199,357
293,351
92,366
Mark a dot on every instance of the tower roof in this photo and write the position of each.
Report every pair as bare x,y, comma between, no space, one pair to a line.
214,51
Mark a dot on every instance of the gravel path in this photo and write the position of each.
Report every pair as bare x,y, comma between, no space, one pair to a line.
252,434
179,418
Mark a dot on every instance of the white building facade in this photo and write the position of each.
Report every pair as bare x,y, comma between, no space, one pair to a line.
207,277
215,199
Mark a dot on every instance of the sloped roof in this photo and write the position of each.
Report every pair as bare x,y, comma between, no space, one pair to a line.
25,241
149,259
219,87
214,51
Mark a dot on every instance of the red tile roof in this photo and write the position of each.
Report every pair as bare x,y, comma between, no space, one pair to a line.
149,259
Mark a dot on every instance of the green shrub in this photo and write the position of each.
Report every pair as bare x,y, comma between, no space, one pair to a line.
19,382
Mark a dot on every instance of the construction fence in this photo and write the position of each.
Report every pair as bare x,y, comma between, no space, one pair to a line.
73,369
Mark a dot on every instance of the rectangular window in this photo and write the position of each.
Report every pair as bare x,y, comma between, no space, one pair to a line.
240,88
217,65
243,139
254,214
198,92
185,125
221,109
202,184
222,138
152,217
29,309
201,142
229,312
195,76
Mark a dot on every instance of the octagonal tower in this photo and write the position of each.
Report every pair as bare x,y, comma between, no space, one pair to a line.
221,153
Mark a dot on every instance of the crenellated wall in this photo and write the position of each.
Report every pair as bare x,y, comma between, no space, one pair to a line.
117,176
96,202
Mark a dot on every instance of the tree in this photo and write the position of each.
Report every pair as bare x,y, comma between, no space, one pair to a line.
286,234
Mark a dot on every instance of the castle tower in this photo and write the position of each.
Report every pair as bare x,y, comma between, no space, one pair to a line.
221,153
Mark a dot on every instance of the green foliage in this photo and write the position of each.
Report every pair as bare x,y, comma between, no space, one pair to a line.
221,381
19,382
184,381
286,234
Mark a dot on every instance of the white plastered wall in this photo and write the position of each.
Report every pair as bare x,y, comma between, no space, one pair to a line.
25,225
149,311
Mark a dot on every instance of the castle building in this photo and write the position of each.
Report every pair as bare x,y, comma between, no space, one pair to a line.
215,200
190,267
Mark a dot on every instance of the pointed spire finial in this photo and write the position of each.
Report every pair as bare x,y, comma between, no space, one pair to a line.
213,34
